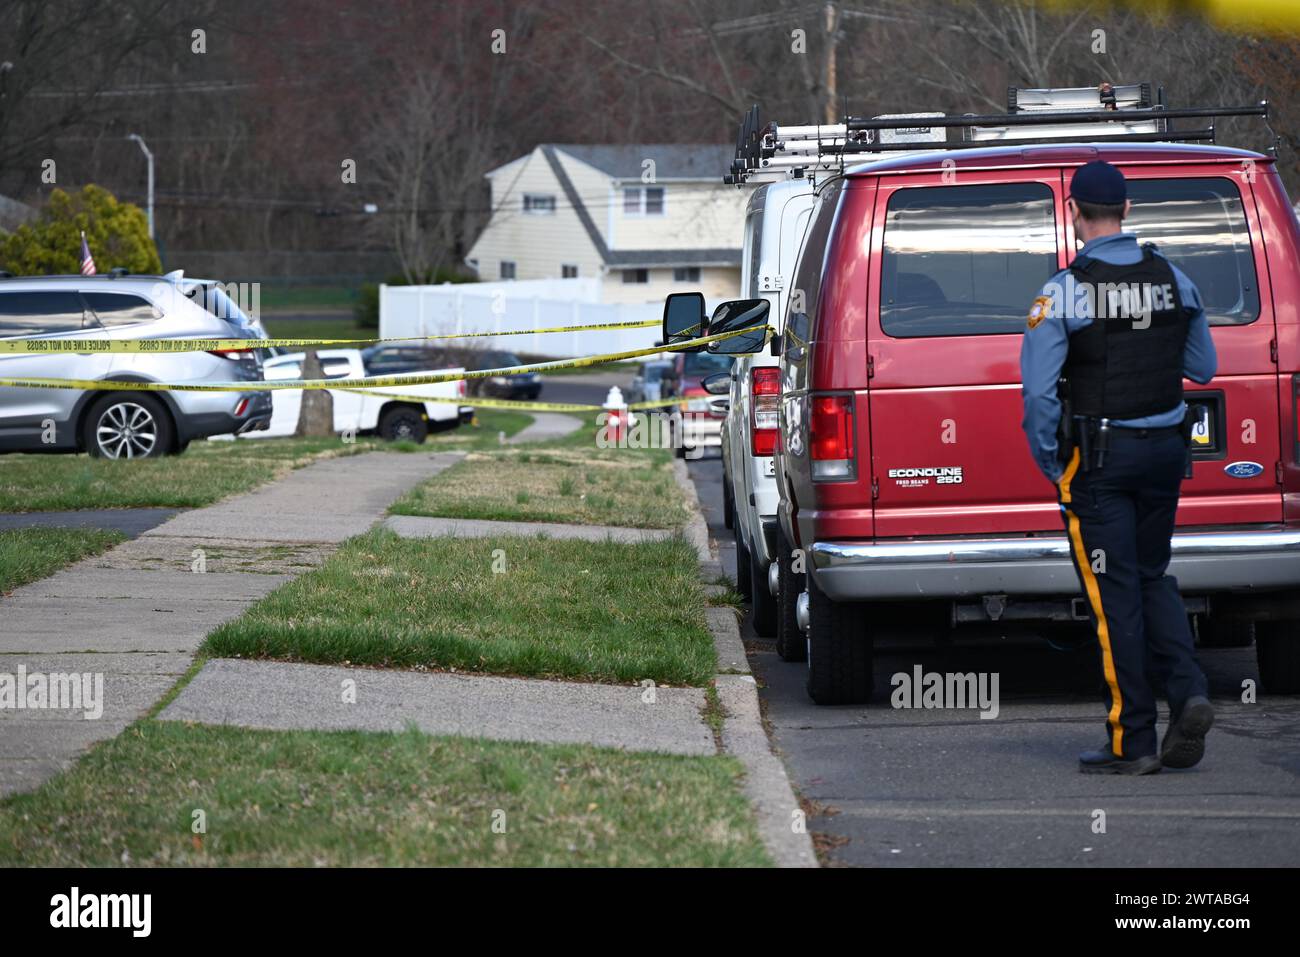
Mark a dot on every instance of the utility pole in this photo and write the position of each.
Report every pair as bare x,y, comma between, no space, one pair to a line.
149,159
832,29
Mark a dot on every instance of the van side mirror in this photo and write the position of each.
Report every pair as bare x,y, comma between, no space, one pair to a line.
717,384
740,314
684,319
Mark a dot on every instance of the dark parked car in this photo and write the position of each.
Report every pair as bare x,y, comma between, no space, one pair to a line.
525,385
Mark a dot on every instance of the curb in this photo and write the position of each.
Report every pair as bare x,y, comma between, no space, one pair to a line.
743,737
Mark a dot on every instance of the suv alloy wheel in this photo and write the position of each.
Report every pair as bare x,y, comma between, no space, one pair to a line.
128,427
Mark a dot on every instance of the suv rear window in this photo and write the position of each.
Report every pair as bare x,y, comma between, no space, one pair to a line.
119,309
40,313
1199,225
965,260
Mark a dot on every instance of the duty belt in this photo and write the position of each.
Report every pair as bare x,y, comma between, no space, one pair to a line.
1093,434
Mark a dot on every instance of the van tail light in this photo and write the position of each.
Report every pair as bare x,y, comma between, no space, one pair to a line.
460,388
831,444
764,409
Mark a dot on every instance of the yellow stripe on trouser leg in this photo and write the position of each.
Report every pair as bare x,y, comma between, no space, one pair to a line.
1093,590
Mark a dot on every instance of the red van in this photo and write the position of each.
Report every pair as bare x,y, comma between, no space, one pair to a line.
907,484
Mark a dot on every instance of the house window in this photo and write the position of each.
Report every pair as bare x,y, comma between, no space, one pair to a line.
636,275
686,274
643,201
539,204
507,269
569,272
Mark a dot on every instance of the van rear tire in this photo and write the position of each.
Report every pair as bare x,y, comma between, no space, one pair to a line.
1277,651
744,580
762,602
839,650
791,644
1220,632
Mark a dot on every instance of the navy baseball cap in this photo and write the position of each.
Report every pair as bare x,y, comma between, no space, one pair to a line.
1099,182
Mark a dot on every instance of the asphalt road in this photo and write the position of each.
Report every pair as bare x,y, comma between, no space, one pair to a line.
589,388
913,787
129,521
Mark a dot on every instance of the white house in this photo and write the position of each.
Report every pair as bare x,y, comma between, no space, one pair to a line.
646,220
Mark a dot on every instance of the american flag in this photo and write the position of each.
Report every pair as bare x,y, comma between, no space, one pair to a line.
87,260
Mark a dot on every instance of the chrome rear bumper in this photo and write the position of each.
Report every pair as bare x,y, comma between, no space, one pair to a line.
959,568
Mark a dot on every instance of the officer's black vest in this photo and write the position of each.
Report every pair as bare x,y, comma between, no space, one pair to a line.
1118,366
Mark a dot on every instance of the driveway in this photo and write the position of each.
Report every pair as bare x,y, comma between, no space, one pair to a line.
914,787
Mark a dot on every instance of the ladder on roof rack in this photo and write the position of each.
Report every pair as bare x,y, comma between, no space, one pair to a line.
1124,114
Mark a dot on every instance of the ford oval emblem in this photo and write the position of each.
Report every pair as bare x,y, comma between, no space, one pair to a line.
1244,470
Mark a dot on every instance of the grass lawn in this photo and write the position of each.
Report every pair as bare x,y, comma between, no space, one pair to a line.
569,481
589,610
276,798
324,327
290,298
30,554
204,473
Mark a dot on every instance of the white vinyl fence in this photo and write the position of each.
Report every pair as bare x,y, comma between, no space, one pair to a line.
497,307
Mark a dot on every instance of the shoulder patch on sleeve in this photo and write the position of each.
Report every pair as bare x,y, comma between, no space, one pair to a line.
1039,310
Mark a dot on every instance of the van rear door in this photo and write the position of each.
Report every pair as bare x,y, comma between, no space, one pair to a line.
960,257
1202,218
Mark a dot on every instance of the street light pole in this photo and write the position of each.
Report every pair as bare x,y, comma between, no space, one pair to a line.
149,158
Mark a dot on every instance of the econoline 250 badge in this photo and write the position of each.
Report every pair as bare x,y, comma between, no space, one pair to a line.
1244,470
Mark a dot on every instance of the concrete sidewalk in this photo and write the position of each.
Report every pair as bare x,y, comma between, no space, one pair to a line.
419,526
136,614
283,696
546,425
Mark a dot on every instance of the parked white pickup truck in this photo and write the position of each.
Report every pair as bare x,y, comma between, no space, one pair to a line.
358,413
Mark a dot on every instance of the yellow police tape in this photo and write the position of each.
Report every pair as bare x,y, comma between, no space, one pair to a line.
98,346
365,382
526,405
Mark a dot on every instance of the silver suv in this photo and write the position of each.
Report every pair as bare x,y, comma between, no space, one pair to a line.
123,424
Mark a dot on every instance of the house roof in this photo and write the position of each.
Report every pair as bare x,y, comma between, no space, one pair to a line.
697,161
630,258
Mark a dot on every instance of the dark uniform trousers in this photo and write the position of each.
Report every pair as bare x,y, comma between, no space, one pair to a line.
1119,517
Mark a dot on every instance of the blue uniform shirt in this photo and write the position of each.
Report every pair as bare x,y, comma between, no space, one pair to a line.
1046,343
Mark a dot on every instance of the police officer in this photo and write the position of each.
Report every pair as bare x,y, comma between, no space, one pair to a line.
1105,419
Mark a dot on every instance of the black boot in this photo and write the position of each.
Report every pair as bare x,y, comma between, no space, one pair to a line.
1184,743
1104,761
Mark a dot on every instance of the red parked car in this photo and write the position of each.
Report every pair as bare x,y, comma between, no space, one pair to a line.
907,485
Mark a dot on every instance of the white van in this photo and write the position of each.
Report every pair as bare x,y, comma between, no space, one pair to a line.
775,223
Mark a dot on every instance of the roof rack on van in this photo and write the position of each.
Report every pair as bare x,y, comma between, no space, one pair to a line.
1113,113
